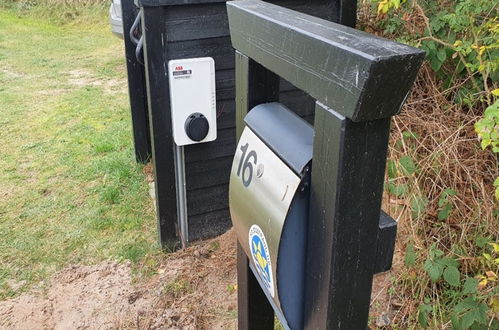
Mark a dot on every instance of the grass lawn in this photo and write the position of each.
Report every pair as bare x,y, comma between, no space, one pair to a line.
70,190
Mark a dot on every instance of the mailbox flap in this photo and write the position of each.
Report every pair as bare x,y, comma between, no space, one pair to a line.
285,133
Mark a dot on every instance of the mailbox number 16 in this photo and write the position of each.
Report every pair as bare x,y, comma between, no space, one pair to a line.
246,165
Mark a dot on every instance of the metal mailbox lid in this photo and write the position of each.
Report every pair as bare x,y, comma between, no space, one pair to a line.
261,190
289,136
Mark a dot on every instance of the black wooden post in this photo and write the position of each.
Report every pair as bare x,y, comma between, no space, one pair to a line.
253,309
255,85
359,81
136,87
161,125
346,12
345,203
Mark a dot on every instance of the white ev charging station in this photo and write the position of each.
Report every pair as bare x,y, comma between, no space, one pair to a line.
194,118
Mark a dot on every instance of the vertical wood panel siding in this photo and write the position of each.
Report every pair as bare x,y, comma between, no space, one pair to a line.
199,30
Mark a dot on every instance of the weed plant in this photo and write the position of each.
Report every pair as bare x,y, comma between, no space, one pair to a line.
440,183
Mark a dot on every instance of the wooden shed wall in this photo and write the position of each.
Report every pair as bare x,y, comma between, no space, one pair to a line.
198,30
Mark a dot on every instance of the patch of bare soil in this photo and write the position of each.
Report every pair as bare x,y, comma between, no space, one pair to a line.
77,297
85,78
191,290
384,307
12,74
195,288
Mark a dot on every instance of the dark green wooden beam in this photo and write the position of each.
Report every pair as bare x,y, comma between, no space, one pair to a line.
361,76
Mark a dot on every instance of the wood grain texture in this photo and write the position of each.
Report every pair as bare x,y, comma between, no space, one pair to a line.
188,29
163,3
345,203
208,225
387,233
206,174
136,88
196,22
361,76
160,122
255,85
254,312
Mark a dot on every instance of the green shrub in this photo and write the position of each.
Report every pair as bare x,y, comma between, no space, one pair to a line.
460,38
487,129
437,175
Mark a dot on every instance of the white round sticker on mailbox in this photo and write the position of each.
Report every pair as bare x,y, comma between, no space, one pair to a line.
261,257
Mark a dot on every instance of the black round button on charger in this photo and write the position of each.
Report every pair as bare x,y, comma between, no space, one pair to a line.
197,126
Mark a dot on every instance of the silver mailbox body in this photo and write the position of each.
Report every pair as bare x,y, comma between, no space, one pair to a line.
268,198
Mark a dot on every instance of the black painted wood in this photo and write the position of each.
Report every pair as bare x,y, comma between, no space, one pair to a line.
136,88
346,12
253,309
185,22
345,202
219,48
206,174
361,76
387,233
187,29
207,199
255,85
223,146
208,225
160,123
162,3
349,238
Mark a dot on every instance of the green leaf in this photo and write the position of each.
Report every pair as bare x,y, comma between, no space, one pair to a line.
423,311
449,262
434,252
433,269
418,206
460,67
452,276
470,285
392,169
407,165
410,135
423,319
481,313
441,55
464,305
481,241
435,63
456,323
444,197
450,192
397,189
444,213
496,184
468,319
410,255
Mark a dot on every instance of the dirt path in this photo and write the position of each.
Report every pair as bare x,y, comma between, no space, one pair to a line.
193,289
